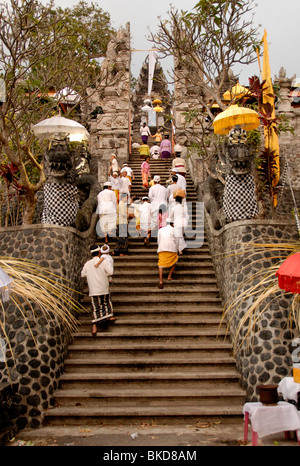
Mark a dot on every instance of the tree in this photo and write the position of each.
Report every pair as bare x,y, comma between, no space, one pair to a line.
207,43
43,50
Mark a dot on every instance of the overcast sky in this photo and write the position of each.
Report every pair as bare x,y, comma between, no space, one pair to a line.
280,19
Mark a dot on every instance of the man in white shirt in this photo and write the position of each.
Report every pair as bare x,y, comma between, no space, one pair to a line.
144,213
98,284
180,217
170,191
129,171
154,152
181,182
107,210
158,197
125,186
115,184
167,251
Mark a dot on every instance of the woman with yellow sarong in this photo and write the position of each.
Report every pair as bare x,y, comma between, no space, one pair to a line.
167,251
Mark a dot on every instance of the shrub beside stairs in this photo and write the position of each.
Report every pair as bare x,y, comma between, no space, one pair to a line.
165,360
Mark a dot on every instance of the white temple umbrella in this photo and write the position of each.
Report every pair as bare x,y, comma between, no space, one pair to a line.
58,125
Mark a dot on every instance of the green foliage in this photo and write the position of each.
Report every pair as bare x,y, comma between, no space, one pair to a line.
43,50
37,293
89,28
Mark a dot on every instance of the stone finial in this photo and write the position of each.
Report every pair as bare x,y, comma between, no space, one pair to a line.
282,79
285,83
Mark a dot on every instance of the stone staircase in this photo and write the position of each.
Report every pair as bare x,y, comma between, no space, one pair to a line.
166,359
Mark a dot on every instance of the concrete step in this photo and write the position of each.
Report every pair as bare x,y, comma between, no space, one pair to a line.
151,397
130,324
144,265
139,281
163,311
127,350
137,415
205,348
146,364
166,319
167,298
166,359
213,378
180,274
115,335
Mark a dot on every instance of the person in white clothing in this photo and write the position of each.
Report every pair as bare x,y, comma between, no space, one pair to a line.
158,197
113,166
178,161
98,284
129,171
181,182
107,210
170,191
167,251
125,186
145,132
105,249
154,152
179,217
145,219
115,184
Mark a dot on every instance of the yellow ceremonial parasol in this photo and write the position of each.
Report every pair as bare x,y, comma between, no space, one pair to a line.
236,92
158,108
234,115
157,101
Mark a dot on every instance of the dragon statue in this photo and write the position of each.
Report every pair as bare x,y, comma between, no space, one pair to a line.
70,191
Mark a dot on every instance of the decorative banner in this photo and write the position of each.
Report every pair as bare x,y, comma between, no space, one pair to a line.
152,61
271,137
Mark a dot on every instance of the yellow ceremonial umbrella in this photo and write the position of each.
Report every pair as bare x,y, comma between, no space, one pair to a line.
236,92
158,108
157,101
234,115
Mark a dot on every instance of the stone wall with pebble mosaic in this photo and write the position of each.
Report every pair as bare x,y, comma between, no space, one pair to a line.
265,358
36,357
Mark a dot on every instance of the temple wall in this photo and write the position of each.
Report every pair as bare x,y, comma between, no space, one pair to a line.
35,357
264,357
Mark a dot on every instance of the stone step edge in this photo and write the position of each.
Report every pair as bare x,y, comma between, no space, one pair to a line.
131,320
197,309
150,362
138,375
207,346
150,393
160,411
153,333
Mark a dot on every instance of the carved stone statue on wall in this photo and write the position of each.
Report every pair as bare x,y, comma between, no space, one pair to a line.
234,200
239,199
70,191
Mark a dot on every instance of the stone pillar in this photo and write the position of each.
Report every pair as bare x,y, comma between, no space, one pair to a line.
110,130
